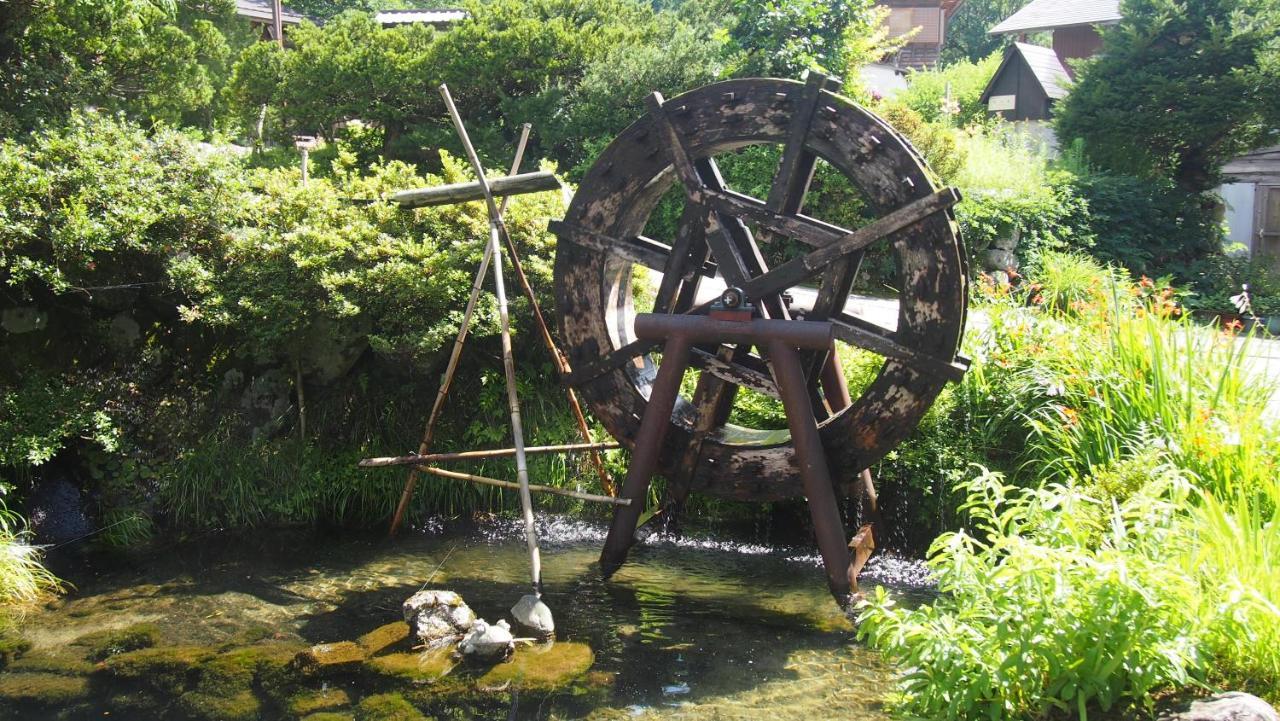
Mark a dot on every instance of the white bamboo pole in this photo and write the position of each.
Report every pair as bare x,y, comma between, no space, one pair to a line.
508,359
454,355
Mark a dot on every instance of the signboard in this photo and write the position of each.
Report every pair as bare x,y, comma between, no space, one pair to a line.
305,142
1002,102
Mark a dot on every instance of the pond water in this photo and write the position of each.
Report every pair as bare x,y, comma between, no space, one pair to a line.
687,629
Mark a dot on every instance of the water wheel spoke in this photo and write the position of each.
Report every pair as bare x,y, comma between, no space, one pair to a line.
797,226
688,250
593,369
735,373
871,337
795,167
639,249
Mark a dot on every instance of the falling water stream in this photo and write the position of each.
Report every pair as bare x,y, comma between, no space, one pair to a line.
688,629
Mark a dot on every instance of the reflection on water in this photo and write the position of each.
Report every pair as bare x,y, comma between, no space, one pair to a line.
686,630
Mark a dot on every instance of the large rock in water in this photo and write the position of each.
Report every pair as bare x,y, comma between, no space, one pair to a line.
488,644
438,618
534,615
1234,706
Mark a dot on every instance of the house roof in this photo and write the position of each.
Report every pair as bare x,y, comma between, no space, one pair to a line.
1045,67
1040,15
444,16
260,11
1259,166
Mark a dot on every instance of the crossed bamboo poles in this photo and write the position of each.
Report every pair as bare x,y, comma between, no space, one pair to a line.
492,254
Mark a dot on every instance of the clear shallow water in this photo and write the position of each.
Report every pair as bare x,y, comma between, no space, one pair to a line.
694,629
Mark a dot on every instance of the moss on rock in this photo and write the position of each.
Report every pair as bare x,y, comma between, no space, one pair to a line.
46,689
167,669
61,665
540,668
413,666
239,706
329,716
388,707
311,702
329,656
12,648
383,637
111,642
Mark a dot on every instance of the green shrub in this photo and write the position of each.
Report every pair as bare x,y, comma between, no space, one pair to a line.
1222,276
964,80
1053,603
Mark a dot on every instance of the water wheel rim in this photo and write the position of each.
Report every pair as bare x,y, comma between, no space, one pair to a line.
618,193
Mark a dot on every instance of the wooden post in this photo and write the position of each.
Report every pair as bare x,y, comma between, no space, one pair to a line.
277,22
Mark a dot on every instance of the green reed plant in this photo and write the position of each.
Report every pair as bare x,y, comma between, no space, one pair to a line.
23,577
1234,547
1053,604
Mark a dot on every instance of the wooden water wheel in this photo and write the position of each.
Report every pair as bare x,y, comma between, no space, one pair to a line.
722,233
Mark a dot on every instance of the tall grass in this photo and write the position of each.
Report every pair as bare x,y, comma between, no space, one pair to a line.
23,578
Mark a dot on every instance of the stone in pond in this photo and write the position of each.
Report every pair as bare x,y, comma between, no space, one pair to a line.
438,618
1234,706
330,656
488,644
383,637
531,613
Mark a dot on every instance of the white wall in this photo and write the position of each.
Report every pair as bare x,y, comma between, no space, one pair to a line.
1238,198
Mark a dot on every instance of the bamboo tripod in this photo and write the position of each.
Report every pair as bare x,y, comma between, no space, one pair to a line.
498,235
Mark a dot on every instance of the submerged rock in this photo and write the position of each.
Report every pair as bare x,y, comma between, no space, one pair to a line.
1233,706
425,668
42,688
541,668
488,644
383,637
311,702
388,707
438,618
111,642
330,656
531,613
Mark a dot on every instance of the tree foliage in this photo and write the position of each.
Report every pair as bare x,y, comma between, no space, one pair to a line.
1179,89
154,59
967,36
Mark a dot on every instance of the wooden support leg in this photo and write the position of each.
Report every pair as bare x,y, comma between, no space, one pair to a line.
644,456
814,473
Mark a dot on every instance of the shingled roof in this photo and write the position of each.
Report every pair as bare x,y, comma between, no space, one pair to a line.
1041,15
260,11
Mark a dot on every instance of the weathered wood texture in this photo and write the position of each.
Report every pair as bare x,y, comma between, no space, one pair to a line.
463,192
614,371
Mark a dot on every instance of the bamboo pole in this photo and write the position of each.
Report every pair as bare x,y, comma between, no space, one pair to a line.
496,229
454,355
512,184
486,481
418,460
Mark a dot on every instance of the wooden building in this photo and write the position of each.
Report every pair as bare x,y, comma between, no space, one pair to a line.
1028,82
928,19
1252,197
1072,24
259,13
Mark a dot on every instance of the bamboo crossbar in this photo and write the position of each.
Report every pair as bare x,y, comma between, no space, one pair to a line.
535,182
533,487
418,460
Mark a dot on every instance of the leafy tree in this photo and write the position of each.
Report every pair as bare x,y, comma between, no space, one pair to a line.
965,79
967,37
1179,89
783,39
156,60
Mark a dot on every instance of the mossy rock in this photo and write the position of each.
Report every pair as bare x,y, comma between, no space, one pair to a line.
46,689
329,716
11,649
239,706
111,642
388,707
311,702
413,666
383,637
542,668
61,665
168,669
330,656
